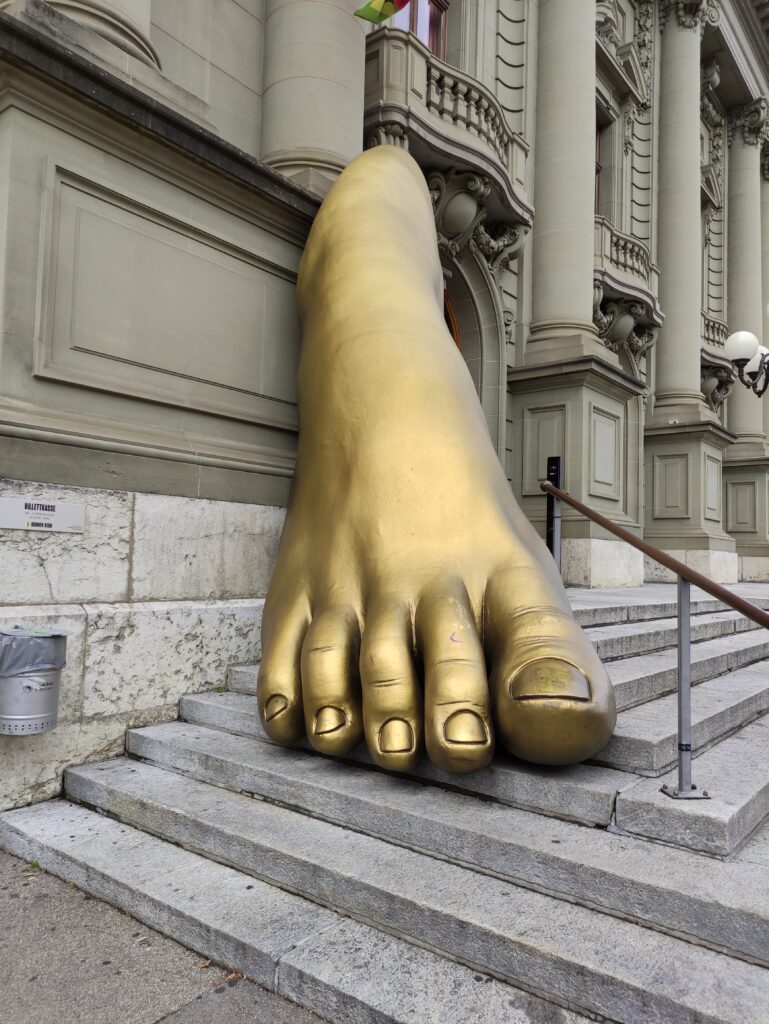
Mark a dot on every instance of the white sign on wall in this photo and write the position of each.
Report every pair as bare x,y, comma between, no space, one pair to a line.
41,514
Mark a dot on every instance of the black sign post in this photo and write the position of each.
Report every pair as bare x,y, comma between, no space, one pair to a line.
553,535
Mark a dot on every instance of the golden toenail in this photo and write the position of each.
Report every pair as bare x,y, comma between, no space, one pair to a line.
329,720
396,737
550,679
274,706
465,727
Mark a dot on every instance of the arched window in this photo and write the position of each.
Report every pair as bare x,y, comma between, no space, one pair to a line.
427,19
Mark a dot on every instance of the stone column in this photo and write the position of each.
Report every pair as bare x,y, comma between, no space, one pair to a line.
678,398
563,234
312,105
126,23
765,253
744,282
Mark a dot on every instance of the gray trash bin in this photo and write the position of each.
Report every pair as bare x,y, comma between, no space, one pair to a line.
31,661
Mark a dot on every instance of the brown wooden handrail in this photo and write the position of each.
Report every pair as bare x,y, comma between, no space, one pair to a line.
739,604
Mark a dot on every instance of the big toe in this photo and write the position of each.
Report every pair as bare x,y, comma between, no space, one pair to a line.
553,699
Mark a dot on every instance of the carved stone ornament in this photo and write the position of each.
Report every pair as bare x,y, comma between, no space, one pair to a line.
461,220
716,383
750,120
607,23
621,327
694,15
509,319
388,134
765,163
643,45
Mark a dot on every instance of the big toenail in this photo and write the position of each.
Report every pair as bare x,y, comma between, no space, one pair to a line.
329,720
396,737
465,727
274,706
550,679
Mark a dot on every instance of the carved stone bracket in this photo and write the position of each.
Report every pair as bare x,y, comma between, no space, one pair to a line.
624,325
716,383
458,206
693,15
461,220
751,120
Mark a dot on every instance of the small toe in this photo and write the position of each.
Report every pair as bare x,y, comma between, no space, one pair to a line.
458,731
279,689
392,697
330,681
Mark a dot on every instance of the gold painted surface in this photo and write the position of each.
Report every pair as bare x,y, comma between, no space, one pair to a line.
413,605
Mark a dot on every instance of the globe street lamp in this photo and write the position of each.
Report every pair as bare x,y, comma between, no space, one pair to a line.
750,360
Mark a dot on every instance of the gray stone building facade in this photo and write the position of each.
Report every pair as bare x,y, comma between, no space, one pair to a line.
601,197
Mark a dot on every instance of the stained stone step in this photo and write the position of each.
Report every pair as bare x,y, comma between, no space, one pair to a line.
341,969
628,639
736,775
242,678
645,738
582,792
721,905
559,950
648,676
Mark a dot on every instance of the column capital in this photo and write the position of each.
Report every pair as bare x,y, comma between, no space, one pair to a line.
749,120
693,15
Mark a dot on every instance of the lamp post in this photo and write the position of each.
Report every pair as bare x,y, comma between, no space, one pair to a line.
750,360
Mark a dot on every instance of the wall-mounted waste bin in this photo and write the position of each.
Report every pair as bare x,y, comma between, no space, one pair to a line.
31,661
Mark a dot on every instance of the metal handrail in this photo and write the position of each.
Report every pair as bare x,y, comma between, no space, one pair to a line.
686,577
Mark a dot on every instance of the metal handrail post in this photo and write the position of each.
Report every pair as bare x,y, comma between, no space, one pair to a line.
685,790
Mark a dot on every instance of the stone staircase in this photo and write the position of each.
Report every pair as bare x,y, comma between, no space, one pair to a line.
520,894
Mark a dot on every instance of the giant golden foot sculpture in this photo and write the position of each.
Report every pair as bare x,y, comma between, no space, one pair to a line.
412,602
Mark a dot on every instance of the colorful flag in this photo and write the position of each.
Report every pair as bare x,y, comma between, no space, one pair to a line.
380,10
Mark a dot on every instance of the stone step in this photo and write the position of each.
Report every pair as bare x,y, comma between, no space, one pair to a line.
736,776
628,639
648,676
603,965
583,793
339,968
645,738
724,906
609,610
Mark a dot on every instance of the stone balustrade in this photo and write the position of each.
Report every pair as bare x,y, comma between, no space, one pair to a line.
414,100
624,255
714,332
